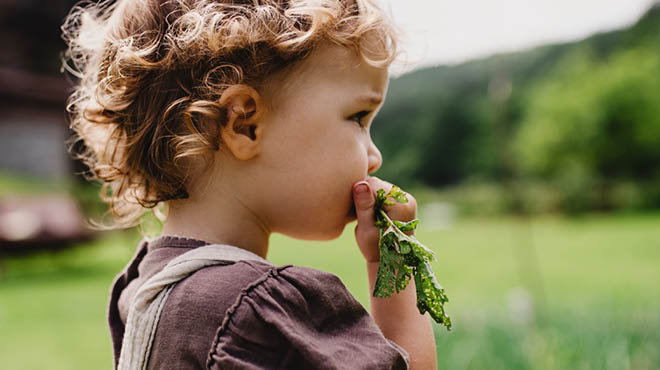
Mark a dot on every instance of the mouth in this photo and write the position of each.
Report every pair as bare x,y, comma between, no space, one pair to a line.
351,212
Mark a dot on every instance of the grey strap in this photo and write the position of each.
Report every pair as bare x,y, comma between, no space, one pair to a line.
148,302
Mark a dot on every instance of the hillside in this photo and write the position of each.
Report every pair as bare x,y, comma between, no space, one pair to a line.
444,125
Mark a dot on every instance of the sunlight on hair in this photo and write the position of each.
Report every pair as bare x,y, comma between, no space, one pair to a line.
151,75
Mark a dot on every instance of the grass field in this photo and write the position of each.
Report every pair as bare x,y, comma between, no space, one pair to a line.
550,293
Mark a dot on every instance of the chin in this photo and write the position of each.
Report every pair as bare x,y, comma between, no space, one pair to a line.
321,235
341,226
326,228
333,234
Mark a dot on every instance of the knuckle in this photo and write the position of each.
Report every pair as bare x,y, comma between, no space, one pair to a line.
377,183
404,211
412,205
410,215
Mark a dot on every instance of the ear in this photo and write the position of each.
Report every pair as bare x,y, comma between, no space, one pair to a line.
242,131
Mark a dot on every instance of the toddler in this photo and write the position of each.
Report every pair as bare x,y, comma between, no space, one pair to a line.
242,118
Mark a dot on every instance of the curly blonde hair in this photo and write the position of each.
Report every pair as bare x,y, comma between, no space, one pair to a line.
150,76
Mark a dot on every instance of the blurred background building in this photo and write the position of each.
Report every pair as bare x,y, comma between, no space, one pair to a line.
33,92
34,131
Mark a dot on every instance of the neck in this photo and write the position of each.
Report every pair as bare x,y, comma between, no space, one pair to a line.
224,219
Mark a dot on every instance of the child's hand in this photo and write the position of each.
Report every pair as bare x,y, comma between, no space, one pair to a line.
366,234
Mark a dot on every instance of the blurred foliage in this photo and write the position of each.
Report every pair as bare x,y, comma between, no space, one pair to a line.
85,193
570,127
12,183
594,124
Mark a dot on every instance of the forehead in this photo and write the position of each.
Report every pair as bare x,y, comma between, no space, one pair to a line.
332,66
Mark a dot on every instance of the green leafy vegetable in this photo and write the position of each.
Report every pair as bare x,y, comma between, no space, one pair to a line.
402,257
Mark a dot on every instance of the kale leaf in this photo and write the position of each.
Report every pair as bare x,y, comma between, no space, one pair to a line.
402,257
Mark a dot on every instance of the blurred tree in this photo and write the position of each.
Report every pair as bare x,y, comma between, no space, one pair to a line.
594,123
580,118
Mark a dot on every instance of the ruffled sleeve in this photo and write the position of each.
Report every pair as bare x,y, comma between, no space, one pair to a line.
301,318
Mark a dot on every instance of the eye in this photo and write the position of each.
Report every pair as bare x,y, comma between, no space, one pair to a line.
357,117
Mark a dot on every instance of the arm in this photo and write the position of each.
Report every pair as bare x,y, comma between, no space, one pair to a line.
397,316
400,321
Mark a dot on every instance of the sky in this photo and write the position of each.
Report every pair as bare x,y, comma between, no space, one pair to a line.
453,31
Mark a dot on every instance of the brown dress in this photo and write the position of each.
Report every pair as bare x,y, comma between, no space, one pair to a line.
251,315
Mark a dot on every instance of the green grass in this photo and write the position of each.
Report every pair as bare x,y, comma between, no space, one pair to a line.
552,293
15,183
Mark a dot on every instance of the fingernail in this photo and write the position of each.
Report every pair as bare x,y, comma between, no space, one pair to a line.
361,188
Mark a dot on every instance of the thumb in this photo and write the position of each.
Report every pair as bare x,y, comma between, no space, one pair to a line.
364,201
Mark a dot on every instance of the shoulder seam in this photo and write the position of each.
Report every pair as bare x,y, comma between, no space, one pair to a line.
272,272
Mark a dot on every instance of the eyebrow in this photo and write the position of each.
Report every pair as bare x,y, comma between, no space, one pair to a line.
373,99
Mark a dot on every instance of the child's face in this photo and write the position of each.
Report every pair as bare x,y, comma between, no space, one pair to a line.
314,149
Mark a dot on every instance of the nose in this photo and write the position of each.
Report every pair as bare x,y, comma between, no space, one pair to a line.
375,158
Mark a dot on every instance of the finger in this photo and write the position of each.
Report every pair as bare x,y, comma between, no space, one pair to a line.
403,211
398,211
364,200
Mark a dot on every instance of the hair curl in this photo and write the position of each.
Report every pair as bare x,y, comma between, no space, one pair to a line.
150,75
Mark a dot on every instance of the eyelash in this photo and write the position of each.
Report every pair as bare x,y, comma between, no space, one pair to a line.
359,116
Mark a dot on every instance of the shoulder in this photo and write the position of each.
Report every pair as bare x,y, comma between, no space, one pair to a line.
298,317
312,292
292,286
303,293
217,286
195,309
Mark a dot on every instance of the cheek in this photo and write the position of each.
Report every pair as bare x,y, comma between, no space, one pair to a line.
348,166
311,168
323,198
